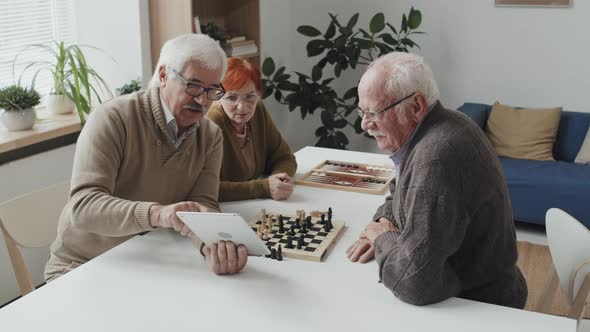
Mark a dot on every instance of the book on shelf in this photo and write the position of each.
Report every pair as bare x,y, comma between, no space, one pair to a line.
236,39
196,25
247,47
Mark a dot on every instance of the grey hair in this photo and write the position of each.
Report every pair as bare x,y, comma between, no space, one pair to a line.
177,52
399,74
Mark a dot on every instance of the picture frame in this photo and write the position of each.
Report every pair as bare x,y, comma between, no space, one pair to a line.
533,3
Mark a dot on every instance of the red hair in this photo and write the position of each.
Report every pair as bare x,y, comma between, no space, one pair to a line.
239,71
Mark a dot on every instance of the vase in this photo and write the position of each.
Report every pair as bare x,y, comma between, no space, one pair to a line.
59,104
19,120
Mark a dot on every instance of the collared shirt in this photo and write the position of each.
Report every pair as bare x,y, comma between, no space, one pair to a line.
172,127
401,153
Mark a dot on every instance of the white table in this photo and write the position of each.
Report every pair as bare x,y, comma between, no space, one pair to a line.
159,282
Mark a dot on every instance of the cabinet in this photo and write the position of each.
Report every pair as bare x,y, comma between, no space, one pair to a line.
170,18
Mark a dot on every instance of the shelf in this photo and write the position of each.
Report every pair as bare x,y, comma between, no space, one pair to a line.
49,128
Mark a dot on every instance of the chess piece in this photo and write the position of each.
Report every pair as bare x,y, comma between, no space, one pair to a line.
300,242
328,226
273,253
304,229
279,253
281,225
330,214
289,244
297,223
292,230
323,219
308,222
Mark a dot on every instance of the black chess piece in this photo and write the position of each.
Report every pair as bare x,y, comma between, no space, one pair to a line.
292,230
289,244
297,223
329,214
279,253
299,242
304,229
273,253
281,225
327,226
323,219
308,222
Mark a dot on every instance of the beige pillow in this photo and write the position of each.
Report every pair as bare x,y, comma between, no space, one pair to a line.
523,133
583,156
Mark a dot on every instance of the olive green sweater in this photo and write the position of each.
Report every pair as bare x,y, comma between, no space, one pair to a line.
126,162
272,155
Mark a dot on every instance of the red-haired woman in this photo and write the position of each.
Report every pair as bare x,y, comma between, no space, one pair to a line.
257,161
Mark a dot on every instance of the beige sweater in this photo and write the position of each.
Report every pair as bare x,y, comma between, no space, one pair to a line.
125,162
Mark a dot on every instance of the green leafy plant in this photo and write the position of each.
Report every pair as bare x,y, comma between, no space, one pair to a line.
341,47
214,31
72,75
130,87
16,98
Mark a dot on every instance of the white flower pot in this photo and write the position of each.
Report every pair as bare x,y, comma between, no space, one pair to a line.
59,104
19,120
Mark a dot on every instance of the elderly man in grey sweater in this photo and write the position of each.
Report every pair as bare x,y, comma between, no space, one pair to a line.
446,229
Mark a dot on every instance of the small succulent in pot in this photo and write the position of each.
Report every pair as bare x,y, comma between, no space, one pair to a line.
17,103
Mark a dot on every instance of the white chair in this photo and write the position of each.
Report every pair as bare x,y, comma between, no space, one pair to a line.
30,221
569,243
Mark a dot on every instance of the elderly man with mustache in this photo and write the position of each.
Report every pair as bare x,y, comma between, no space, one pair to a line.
142,157
446,229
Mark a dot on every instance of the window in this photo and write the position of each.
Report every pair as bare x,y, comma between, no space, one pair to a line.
26,22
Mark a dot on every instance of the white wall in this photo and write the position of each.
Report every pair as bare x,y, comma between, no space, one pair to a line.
121,30
478,52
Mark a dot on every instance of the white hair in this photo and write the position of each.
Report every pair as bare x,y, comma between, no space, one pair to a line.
177,52
399,74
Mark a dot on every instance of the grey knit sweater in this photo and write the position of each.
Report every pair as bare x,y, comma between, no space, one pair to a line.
451,205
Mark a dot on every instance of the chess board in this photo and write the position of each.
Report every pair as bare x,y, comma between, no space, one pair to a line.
317,242
347,176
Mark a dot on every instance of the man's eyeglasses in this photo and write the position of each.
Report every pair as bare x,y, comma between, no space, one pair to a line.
195,90
373,115
249,99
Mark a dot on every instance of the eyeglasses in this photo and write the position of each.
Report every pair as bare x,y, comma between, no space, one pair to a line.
195,90
373,115
249,99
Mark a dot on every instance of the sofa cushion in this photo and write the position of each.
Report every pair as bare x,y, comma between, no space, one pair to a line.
583,156
573,127
476,112
536,186
523,133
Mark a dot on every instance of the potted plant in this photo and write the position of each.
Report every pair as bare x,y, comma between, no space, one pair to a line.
75,82
341,46
17,103
130,87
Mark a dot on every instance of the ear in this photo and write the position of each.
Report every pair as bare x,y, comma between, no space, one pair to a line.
421,107
162,75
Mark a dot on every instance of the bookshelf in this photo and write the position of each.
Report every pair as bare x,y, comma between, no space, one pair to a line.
172,18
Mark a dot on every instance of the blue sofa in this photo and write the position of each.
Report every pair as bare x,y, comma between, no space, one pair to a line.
536,186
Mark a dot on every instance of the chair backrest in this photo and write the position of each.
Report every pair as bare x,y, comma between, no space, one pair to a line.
30,221
569,243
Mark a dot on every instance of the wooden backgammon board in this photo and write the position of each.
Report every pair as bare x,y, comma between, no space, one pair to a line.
347,176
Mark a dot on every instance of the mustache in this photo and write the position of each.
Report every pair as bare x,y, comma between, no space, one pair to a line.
375,132
195,107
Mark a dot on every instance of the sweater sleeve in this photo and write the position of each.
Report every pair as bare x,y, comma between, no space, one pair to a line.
414,264
238,191
386,209
280,156
206,188
99,152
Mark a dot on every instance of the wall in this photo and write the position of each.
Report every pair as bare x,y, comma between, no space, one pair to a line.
478,52
119,28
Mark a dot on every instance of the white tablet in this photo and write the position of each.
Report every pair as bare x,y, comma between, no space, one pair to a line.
214,227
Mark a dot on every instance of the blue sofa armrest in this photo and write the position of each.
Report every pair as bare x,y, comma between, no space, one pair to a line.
477,112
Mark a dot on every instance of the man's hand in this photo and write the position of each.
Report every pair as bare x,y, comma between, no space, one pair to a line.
165,216
281,186
374,229
363,249
225,258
